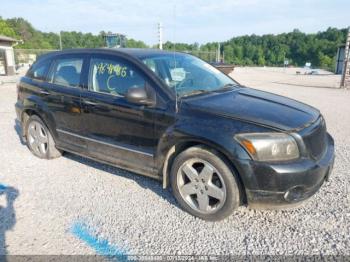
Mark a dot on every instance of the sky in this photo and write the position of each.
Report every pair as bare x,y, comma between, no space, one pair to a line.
185,21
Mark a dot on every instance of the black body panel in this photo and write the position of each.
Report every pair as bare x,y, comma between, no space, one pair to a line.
259,107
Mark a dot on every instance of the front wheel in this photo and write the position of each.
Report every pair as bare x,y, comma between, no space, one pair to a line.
204,185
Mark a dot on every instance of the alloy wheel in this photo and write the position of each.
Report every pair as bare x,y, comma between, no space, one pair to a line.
37,138
201,186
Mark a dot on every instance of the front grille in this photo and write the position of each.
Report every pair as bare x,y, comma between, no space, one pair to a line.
315,138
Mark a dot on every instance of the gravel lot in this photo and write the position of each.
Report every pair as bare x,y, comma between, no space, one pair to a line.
136,216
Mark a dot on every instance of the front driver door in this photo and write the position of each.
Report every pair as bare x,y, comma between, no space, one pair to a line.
117,131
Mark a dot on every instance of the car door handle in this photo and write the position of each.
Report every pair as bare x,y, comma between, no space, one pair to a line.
44,92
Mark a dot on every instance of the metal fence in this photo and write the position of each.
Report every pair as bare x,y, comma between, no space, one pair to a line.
208,56
29,56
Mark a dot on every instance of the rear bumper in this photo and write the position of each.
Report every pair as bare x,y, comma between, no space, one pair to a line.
285,185
19,110
19,114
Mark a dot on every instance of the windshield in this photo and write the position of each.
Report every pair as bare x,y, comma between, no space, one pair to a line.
187,75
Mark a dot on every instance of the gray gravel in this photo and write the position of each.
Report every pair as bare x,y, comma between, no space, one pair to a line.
137,216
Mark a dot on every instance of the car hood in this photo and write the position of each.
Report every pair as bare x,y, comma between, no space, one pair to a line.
257,106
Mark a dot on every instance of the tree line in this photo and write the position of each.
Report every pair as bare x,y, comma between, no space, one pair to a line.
34,39
271,50
297,47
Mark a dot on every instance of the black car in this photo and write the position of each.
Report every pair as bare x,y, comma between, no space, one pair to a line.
173,117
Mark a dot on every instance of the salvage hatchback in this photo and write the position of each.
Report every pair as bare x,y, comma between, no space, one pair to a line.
173,117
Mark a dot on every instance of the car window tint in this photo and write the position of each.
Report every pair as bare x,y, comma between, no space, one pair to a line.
67,72
112,76
39,70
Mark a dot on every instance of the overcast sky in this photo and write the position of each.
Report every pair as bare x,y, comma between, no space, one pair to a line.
183,20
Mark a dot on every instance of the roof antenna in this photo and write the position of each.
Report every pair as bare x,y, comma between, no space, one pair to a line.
174,50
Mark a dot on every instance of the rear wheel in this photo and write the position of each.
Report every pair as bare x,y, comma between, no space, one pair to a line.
204,185
39,139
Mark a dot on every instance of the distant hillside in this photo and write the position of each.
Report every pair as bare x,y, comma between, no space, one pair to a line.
35,39
271,50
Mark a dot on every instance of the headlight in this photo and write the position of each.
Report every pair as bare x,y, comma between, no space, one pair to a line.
269,146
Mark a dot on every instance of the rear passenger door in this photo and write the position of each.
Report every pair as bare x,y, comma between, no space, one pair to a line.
64,85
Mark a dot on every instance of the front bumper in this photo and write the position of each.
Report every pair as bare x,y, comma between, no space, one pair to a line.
286,184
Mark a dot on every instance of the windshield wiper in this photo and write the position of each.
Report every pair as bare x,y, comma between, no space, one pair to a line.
196,92
226,87
201,91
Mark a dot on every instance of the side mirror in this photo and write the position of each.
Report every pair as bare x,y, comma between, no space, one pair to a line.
138,95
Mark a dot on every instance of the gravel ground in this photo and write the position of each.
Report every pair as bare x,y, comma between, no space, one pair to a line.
136,216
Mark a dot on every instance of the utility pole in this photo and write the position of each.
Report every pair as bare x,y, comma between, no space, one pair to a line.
345,79
218,54
160,35
59,35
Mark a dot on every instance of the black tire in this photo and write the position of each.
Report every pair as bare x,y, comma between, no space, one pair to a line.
232,199
50,149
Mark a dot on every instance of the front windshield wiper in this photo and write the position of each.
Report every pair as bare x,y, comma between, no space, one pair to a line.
195,92
201,91
226,87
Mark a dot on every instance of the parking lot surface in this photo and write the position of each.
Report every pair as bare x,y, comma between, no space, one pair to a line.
72,205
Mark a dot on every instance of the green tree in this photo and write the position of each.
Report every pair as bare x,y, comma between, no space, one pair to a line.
135,44
5,29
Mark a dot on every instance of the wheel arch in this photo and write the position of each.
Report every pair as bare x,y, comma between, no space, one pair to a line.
27,113
176,149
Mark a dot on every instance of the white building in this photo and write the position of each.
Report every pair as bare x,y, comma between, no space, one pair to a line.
7,57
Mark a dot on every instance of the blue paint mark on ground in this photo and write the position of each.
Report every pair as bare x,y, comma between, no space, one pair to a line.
3,187
101,246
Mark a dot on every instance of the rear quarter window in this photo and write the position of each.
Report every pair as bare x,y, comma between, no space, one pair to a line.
39,70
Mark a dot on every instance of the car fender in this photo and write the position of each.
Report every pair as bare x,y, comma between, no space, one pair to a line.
182,136
37,106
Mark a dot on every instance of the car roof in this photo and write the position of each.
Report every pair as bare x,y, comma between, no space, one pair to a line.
142,52
134,52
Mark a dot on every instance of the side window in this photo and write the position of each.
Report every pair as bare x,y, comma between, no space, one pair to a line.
66,72
39,70
112,76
